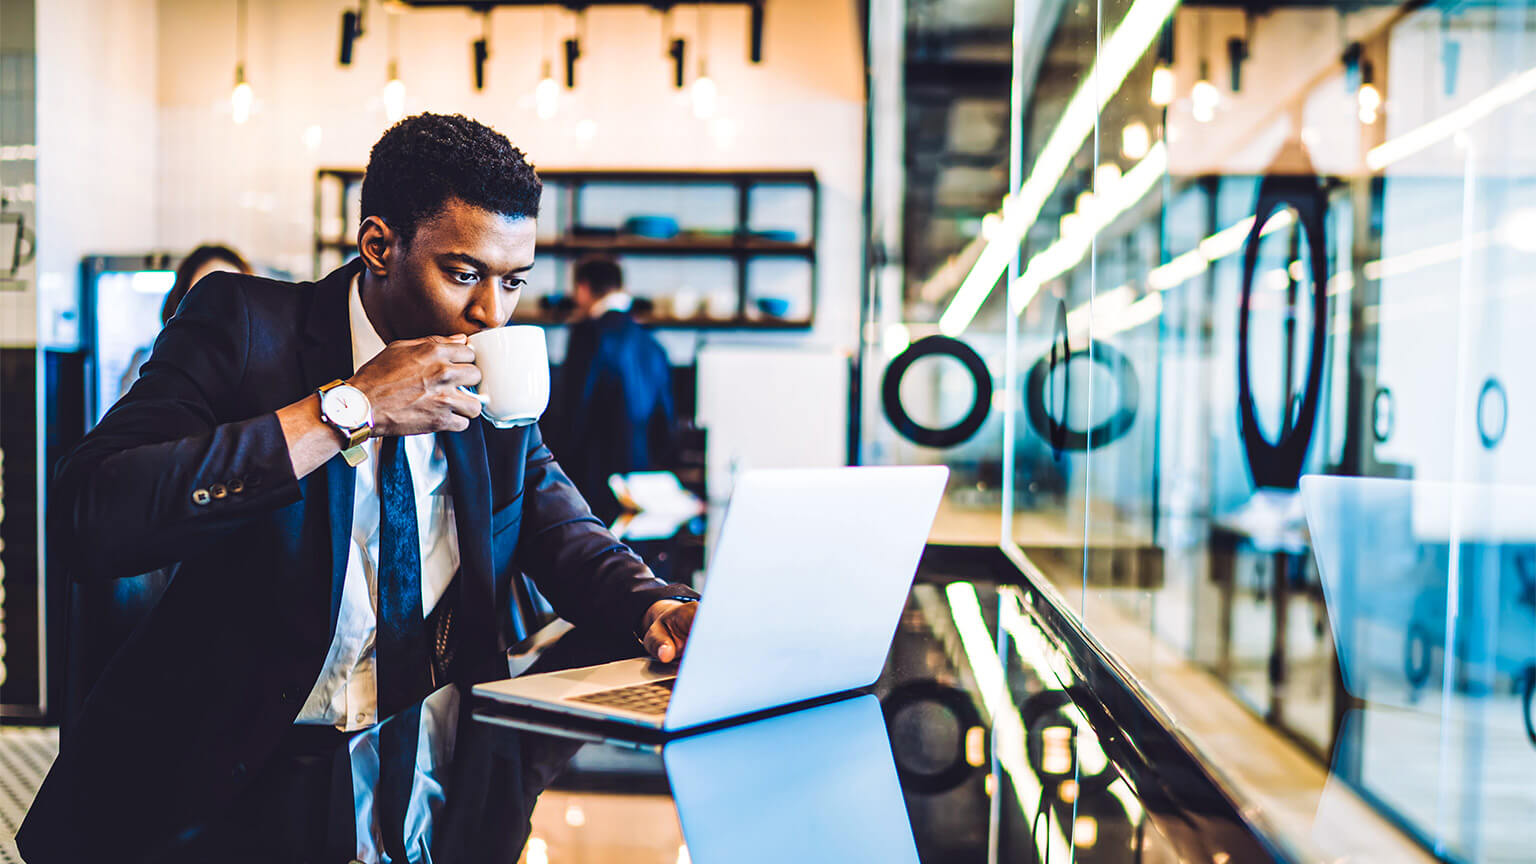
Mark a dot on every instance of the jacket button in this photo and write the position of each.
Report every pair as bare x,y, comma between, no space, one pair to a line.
217,490
201,497
236,486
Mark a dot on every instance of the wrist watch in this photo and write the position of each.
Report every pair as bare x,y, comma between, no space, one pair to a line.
349,412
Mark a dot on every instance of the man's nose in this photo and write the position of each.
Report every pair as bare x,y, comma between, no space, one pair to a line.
488,308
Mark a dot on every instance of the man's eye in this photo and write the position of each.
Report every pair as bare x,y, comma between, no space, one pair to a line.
514,284
464,277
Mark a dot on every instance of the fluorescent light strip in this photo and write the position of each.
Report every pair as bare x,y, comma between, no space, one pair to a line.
1007,725
1429,256
1118,55
1070,249
1223,243
1449,124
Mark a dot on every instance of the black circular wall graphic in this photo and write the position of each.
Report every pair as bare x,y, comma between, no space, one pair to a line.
957,703
1278,464
1382,418
1492,395
928,436
1038,405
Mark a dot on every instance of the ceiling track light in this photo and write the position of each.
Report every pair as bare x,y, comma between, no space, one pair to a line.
352,22
677,50
1237,52
755,34
572,54
481,50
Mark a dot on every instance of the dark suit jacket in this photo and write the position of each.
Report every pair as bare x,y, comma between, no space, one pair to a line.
203,690
616,403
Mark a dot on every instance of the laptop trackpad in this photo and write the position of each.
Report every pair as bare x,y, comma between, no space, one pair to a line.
620,673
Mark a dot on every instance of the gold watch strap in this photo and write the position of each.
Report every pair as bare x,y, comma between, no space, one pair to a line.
353,452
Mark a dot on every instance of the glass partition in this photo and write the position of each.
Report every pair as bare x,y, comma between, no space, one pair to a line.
1253,306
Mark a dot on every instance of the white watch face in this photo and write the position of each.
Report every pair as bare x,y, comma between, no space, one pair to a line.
346,406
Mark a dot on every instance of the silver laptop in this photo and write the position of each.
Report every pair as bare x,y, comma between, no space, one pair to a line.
802,596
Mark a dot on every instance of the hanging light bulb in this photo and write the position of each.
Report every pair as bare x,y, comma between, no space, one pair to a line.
546,95
1162,85
394,95
704,94
241,97
1135,140
1368,97
1204,96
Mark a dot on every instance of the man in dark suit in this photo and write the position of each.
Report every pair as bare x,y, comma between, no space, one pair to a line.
616,393
348,537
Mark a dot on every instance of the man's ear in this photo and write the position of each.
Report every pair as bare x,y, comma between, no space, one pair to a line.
376,245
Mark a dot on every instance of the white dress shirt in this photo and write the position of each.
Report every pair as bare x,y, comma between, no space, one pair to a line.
346,693
613,301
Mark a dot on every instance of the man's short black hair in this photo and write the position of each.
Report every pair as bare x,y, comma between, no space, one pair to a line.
601,274
425,160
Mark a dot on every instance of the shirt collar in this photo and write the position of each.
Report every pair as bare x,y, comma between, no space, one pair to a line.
617,301
366,342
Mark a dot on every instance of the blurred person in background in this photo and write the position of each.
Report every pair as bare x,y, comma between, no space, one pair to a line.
616,389
205,259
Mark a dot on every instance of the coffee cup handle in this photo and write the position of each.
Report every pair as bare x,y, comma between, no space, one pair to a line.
484,399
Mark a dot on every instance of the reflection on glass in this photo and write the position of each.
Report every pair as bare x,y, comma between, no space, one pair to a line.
815,785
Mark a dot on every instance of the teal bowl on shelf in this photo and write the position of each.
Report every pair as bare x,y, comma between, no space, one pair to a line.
651,227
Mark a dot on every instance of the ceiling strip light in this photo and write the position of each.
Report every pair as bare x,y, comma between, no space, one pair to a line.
1106,206
1449,124
1119,54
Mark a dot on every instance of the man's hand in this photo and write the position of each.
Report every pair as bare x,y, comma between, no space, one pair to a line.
414,386
666,625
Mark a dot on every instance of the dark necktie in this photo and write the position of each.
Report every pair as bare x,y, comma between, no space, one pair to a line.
404,675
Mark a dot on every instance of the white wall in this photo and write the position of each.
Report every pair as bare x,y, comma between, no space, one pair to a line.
97,136
251,185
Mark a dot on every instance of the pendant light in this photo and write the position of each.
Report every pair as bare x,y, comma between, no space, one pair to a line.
394,88
704,94
241,98
546,94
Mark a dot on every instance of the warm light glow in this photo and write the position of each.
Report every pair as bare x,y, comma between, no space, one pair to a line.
1369,98
976,746
1105,178
394,99
1085,832
1162,86
537,851
1056,750
1204,98
240,100
575,816
546,98
1135,140
705,95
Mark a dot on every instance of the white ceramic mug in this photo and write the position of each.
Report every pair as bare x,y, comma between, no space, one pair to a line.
514,374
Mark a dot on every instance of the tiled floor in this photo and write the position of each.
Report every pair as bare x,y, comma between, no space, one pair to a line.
25,754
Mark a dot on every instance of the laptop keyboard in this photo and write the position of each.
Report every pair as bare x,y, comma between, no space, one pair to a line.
648,698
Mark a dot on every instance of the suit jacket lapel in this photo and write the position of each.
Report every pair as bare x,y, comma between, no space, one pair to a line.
325,356
469,478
